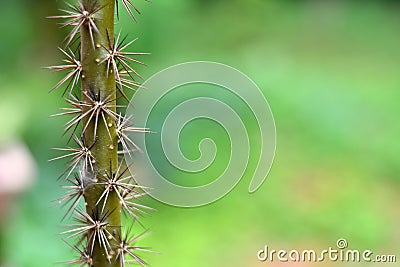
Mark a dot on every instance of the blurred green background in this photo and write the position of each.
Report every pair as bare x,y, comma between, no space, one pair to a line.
330,72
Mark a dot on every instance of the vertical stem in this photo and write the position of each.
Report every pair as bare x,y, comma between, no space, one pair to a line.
95,79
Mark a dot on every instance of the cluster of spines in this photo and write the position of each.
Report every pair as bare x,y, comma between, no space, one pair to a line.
93,229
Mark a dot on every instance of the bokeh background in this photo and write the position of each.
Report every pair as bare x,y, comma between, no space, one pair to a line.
330,72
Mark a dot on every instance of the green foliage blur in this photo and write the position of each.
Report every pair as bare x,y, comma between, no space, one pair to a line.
330,72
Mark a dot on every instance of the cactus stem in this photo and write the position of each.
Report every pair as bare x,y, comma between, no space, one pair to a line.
105,185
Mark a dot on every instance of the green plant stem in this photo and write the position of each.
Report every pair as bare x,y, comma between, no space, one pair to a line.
96,79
